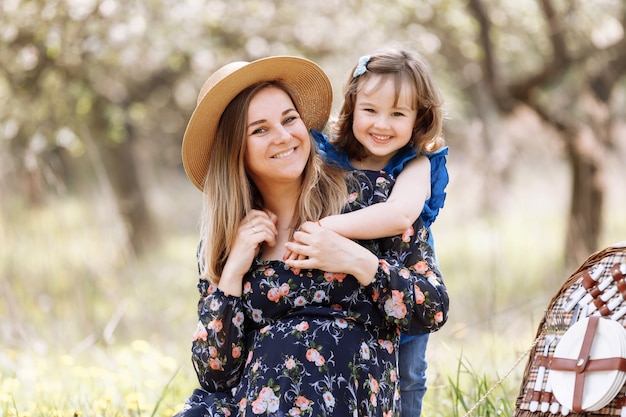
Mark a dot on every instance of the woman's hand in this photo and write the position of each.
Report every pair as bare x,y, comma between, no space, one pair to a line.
319,248
256,228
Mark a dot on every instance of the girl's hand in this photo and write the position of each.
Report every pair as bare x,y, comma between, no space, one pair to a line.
320,248
256,228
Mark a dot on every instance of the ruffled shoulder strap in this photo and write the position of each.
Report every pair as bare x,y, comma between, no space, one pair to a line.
399,160
439,179
328,152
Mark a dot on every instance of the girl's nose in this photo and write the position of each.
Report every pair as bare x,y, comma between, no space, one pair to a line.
381,122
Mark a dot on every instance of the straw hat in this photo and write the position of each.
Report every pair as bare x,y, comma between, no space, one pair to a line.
313,99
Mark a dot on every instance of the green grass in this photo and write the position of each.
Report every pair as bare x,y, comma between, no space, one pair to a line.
130,380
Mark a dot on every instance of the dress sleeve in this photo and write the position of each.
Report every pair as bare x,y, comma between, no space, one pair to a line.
218,348
408,287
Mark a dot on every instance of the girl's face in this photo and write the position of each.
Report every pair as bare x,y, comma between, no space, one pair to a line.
277,141
380,126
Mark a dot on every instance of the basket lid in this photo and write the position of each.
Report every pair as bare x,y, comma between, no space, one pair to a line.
595,386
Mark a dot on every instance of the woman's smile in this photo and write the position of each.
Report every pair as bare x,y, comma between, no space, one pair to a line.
284,154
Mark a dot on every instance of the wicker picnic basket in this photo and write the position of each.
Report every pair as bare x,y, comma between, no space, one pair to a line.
595,292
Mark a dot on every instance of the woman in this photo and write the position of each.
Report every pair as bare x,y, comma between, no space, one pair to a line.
271,341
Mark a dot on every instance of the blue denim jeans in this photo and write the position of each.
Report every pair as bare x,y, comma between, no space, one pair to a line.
412,369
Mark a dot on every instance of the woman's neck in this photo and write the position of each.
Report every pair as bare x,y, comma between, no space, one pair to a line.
280,199
282,202
284,228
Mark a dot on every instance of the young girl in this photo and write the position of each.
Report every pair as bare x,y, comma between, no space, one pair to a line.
391,120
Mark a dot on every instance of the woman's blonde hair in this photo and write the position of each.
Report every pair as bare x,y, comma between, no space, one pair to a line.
406,68
229,193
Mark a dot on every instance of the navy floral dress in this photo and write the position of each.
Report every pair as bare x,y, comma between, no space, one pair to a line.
316,343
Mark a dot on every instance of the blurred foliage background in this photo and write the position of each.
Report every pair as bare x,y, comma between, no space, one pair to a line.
98,221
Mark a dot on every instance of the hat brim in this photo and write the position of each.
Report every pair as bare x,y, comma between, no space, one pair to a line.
313,99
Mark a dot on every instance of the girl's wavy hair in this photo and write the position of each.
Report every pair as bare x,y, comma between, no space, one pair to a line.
409,69
229,192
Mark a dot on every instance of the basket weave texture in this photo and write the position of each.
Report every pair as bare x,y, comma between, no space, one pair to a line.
554,317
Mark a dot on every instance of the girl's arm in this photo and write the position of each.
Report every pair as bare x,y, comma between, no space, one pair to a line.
393,217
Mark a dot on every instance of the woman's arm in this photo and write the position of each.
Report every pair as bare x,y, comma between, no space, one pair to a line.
218,349
256,228
400,272
393,216
410,258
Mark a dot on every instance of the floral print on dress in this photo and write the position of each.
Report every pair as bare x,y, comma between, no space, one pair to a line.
316,343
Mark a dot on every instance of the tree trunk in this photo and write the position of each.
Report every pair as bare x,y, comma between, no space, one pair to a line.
587,197
121,167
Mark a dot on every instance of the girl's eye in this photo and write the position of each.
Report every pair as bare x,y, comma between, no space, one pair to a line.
258,131
398,114
289,119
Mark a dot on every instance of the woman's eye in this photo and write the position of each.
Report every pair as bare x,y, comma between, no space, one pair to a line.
289,119
258,131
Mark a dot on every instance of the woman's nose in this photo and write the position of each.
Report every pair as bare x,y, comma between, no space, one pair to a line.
282,134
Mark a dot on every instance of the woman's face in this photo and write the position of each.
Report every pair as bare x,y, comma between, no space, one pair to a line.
277,141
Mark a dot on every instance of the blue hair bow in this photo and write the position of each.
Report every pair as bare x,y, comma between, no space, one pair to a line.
361,67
